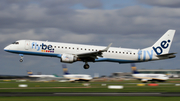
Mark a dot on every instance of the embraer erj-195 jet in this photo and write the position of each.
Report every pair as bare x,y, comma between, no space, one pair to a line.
30,73
144,77
69,53
75,77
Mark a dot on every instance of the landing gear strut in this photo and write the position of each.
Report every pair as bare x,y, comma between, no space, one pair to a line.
86,65
21,55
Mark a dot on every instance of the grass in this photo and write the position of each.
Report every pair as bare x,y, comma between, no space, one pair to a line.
89,98
12,86
94,87
126,89
129,86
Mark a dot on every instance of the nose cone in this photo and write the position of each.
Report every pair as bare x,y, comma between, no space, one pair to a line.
7,48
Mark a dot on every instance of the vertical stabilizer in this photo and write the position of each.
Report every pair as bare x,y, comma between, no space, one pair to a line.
65,70
29,72
162,46
133,67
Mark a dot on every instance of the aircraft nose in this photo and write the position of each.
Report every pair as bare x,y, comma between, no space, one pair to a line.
6,48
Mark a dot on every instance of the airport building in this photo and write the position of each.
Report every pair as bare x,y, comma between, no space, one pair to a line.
121,75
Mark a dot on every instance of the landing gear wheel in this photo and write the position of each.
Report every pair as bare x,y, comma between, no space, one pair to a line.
21,60
21,55
86,66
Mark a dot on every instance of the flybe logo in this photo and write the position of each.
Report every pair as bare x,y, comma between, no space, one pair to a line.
148,54
163,45
43,47
145,54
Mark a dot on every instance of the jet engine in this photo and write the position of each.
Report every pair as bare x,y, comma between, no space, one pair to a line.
68,58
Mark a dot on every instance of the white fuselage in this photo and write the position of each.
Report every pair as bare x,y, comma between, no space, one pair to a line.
149,77
78,77
41,76
55,49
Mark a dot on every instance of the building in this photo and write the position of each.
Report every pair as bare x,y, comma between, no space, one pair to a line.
121,75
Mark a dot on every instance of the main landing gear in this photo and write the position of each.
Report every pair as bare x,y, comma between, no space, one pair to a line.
21,55
86,65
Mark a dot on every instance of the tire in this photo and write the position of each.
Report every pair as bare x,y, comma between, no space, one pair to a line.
21,60
86,66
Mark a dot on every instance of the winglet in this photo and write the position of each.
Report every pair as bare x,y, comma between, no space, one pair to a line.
106,49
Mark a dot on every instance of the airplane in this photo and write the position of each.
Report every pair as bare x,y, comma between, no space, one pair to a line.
75,77
147,77
30,73
70,53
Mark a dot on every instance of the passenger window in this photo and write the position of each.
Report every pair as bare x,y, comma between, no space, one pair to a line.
58,46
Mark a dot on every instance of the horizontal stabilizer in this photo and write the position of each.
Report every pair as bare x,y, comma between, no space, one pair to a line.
168,55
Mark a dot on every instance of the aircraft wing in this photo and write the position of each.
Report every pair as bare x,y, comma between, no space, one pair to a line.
94,54
168,55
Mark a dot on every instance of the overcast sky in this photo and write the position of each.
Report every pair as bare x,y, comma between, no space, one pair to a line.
125,23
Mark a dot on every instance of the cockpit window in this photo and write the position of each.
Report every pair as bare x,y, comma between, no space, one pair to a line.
15,43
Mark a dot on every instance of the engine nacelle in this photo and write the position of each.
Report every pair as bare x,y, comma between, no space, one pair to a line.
68,58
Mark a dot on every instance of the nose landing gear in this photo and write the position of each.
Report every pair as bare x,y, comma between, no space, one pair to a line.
21,55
